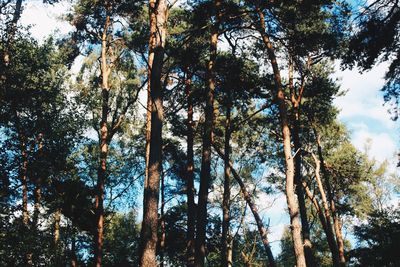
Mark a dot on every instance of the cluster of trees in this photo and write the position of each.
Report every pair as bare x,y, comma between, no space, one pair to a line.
239,107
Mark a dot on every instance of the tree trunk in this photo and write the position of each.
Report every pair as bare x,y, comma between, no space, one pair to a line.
162,222
23,178
57,219
103,146
289,171
73,260
190,190
339,237
152,44
225,257
152,189
326,225
332,206
253,208
205,173
305,228
328,231
38,183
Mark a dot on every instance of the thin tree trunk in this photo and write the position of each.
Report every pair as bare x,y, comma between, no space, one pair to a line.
73,260
57,219
190,190
38,183
328,231
332,206
205,173
23,178
248,198
104,136
326,225
152,44
225,257
289,171
162,222
339,237
296,100
151,194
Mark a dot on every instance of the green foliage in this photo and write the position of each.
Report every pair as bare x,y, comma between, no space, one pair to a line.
378,239
121,240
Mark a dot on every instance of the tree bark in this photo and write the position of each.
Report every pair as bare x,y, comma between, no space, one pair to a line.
305,227
190,190
289,171
162,222
23,178
248,198
332,206
103,146
205,173
225,257
328,228
57,219
38,183
151,193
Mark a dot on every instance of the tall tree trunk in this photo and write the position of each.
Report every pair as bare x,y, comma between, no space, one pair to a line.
305,227
57,219
162,222
326,225
152,45
205,173
37,194
289,171
248,198
73,258
332,206
328,231
190,190
104,136
23,178
151,193
226,242
339,237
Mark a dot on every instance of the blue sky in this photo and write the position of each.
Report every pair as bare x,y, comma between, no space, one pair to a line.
361,108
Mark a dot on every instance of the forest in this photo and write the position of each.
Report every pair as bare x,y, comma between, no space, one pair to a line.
196,133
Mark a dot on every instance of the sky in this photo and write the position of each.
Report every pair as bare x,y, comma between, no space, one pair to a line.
361,109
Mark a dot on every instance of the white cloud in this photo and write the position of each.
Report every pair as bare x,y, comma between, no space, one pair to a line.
45,19
382,144
363,97
363,111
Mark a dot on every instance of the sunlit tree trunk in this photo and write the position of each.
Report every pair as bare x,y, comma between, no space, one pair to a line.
190,190
293,206
152,189
249,200
332,206
104,139
37,194
328,226
305,228
57,219
162,222
205,173
226,242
